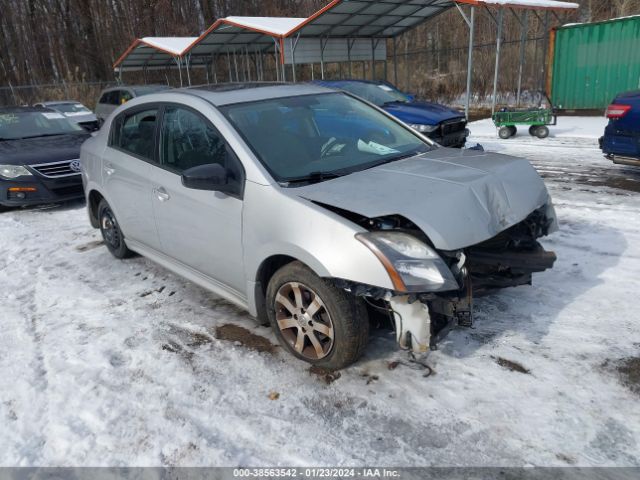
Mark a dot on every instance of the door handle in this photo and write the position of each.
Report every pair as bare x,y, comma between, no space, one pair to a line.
108,169
162,194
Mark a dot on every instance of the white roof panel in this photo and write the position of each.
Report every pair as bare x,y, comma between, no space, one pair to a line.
273,25
532,4
175,45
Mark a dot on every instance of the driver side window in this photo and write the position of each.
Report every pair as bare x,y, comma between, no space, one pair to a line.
188,140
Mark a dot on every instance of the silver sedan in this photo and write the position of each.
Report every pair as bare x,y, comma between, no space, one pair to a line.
315,211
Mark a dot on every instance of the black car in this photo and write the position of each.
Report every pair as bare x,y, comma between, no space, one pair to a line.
39,157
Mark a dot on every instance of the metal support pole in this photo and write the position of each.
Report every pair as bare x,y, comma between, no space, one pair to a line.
349,45
245,69
322,45
293,58
229,66
523,41
498,46
395,61
275,58
313,77
178,62
406,65
235,65
545,51
472,30
187,65
373,59
283,60
214,66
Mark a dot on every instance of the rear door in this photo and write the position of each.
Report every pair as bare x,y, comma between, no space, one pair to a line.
200,229
127,171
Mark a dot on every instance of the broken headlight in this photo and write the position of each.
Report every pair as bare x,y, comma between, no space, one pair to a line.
412,265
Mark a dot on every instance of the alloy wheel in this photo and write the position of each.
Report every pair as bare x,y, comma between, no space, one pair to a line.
304,321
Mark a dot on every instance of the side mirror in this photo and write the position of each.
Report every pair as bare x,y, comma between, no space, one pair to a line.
213,177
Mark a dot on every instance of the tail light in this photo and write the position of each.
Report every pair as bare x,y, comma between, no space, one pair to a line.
617,111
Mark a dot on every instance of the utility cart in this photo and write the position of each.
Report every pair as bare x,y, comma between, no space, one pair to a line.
538,120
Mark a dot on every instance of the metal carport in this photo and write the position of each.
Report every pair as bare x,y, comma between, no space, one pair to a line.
343,31
154,53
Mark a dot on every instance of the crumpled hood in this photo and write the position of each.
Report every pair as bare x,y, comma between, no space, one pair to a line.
31,151
458,198
422,112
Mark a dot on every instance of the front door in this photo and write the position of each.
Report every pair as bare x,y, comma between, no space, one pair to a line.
127,171
200,229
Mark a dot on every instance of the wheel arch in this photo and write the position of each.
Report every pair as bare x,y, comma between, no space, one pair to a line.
93,201
265,271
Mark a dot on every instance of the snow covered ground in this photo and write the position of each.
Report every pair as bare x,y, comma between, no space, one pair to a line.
106,362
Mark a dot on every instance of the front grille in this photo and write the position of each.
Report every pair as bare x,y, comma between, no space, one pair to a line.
56,169
453,127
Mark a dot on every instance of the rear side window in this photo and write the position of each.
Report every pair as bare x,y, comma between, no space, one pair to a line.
135,132
110,98
188,140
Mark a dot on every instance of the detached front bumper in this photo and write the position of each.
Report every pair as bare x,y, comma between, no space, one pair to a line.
508,260
36,190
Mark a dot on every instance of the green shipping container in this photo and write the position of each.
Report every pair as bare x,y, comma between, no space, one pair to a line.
593,62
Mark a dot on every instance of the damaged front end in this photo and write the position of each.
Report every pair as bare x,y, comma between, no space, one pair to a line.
434,289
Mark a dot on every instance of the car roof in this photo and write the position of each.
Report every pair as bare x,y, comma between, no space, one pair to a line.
59,102
24,110
133,87
342,82
230,93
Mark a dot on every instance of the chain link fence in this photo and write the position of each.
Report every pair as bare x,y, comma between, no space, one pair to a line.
429,73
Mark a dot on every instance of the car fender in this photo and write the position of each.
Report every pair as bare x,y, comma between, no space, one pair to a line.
303,230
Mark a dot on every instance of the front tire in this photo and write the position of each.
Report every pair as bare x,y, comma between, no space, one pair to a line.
314,320
111,233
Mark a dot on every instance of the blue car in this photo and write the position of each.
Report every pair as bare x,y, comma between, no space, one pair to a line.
442,124
621,141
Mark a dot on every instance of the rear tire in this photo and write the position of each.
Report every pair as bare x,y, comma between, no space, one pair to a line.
514,130
504,133
533,130
542,132
111,233
314,320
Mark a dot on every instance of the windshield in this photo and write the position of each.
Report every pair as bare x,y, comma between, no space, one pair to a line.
70,108
376,94
315,137
17,125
